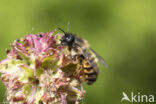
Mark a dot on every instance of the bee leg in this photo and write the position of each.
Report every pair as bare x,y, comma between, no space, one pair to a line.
79,59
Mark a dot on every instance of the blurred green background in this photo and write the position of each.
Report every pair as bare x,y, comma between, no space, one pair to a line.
122,31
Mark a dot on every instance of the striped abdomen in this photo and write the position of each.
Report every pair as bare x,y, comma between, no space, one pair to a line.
90,71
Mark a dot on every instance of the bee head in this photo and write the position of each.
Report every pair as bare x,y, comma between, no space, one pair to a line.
67,39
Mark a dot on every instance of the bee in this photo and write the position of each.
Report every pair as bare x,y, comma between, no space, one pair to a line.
87,58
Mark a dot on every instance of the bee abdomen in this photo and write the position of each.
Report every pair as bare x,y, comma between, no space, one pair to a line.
90,75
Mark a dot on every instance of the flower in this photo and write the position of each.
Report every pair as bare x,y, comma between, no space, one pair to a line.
38,70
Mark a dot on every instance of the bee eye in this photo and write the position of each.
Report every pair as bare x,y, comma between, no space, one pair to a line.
68,38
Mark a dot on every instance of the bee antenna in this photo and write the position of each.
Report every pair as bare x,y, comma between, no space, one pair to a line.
62,30
68,25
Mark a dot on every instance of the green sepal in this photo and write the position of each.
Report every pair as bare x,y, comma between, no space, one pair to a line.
10,65
24,57
39,71
28,74
70,68
27,89
39,94
50,63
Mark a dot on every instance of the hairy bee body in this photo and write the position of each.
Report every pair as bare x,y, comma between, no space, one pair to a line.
78,49
89,68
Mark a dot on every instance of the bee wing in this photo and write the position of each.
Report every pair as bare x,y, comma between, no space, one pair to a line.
102,61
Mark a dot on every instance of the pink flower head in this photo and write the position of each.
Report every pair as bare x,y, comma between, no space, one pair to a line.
38,70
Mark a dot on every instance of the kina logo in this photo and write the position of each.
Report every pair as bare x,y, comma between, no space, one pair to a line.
137,97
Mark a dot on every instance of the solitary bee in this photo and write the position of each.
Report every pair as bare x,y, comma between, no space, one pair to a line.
80,50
